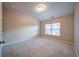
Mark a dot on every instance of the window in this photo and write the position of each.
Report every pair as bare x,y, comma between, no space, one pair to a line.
48,29
52,29
56,29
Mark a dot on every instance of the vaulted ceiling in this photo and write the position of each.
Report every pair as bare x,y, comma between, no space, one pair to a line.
53,9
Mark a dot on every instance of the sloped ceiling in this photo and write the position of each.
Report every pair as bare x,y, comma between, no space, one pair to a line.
54,9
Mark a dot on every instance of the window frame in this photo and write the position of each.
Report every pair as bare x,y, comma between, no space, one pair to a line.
53,29
48,29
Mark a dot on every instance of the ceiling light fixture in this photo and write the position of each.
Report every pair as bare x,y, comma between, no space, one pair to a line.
40,7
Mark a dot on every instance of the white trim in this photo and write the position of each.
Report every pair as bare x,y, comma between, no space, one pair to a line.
44,36
74,48
76,51
1,45
64,41
10,43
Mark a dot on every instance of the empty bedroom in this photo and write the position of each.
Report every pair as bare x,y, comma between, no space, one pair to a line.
40,29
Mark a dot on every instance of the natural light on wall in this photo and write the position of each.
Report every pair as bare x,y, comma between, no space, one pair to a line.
52,29
40,7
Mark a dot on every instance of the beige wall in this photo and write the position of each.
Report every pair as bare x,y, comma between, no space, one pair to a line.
0,21
67,28
1,28
18,26
76,29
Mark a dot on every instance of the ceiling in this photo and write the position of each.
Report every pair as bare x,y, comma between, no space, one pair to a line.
53,9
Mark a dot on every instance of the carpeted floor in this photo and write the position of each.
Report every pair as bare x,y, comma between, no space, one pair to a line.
39,47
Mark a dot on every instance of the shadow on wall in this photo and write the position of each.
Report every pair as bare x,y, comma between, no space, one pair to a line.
18,26
20,34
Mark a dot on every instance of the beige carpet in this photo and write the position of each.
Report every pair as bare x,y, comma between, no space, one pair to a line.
39,47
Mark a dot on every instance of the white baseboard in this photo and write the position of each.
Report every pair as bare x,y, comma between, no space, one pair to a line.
10,43
65,42
76,51
1,50
59,40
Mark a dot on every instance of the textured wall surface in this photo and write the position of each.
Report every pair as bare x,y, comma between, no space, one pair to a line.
18,26
76,23
0,21
66,31
0,27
